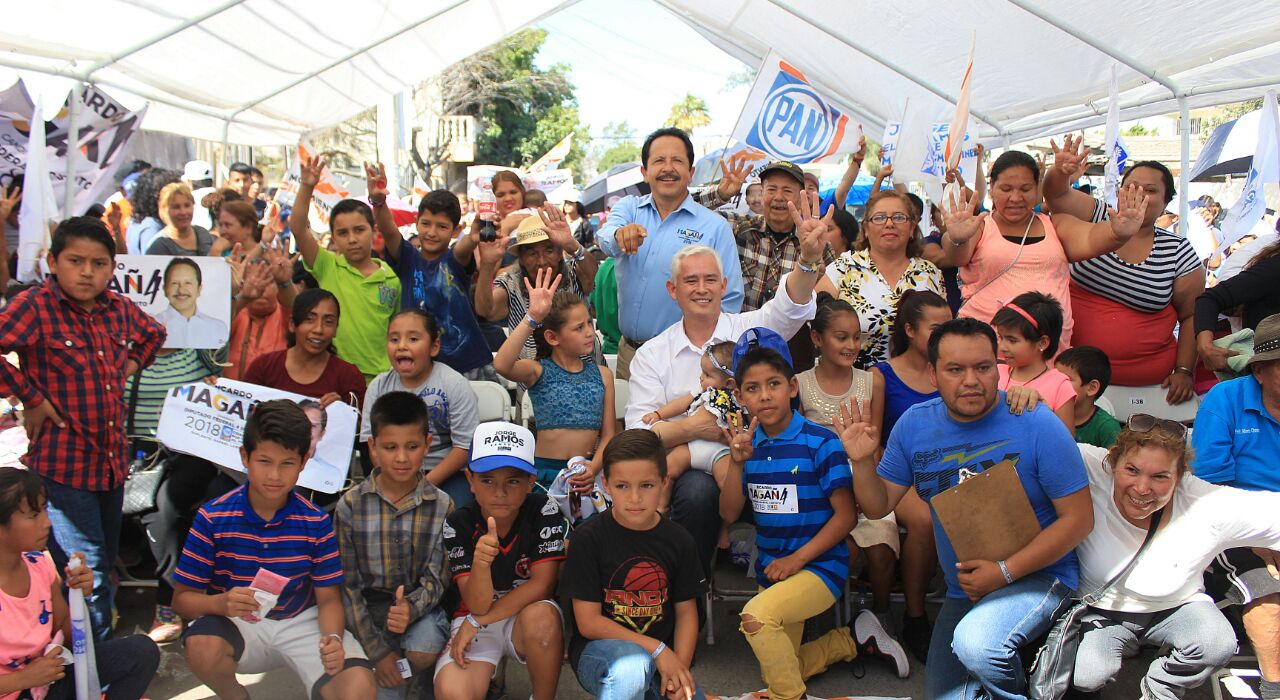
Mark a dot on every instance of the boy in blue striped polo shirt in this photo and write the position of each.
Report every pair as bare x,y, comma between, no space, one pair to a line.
797,478
265,526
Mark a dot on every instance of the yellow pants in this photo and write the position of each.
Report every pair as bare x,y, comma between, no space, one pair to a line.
780,611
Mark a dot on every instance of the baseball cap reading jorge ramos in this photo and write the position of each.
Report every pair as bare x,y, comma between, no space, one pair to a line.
499,444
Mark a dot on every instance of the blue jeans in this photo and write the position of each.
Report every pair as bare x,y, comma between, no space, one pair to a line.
974,650
695,505
127,665
89,522
611,669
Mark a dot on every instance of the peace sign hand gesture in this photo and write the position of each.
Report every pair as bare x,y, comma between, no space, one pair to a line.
859,436
310,170
738,435
541,293
809,228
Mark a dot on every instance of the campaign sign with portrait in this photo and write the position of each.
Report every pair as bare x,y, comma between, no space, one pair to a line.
191,296
207,421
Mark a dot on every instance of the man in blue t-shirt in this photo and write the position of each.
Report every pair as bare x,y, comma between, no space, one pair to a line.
992,608
436,279
1236,440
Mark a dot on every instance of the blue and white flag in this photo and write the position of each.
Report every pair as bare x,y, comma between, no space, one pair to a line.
1251,206
787,118
1117,153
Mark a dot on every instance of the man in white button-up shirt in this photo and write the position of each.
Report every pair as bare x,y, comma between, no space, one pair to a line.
667,366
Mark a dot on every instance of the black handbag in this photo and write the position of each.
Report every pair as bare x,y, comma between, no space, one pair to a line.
142,483
1055,662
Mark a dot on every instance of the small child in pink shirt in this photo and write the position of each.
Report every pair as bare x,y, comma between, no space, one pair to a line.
1029,328
33,609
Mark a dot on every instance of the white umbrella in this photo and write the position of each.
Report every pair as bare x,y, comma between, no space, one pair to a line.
1229,150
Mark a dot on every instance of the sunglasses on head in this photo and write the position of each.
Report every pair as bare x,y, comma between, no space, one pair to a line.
1143,423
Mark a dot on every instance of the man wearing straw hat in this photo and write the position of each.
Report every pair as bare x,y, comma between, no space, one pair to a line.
1237,443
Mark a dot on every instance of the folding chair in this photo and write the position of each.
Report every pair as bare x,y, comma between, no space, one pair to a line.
492,401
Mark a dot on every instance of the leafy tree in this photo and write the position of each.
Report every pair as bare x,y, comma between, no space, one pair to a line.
746,76
1140,130
689,113
621,146
1226,113
521,110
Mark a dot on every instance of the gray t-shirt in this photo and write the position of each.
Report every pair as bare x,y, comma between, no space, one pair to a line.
450,401
163,245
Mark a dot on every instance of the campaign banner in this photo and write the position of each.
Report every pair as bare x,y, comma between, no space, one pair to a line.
557,184
554,157
889,143
191,296
789,119
207,421
935,160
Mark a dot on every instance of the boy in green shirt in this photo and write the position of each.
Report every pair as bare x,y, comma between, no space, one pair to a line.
367,289
1090,373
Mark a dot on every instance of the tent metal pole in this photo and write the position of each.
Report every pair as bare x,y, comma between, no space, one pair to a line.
87,73
1184,128
884,61
73,148
1083,37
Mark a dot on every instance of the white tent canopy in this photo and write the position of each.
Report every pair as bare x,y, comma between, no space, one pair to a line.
259,72
1040,68
253,72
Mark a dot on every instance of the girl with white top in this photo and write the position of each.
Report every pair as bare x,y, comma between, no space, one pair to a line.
1162,602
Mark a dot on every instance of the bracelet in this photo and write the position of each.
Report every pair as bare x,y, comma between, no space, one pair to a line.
335,635
809,267
1185,370
956,244
535,325
378,200
472,619
1008,577
284,285
579,255
662,646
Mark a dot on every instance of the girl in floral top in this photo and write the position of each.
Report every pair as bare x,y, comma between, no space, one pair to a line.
885,262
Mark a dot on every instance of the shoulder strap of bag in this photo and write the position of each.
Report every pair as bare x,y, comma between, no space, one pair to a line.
1146,541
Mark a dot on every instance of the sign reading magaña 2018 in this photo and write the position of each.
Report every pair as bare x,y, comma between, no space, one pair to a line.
786,117
207,420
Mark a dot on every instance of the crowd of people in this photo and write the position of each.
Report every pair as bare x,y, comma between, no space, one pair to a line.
819,377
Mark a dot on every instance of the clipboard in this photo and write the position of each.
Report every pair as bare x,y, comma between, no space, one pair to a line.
988,515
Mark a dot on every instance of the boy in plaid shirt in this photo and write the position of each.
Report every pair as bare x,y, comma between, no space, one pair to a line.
391,535
76,343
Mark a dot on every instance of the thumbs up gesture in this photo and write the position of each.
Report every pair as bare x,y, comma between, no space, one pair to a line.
398,616
486,547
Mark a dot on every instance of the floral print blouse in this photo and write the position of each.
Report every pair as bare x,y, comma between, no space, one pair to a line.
855,275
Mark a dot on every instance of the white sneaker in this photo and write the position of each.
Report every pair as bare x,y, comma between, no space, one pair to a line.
873,640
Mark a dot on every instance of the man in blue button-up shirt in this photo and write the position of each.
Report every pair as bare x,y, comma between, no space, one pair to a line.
673,220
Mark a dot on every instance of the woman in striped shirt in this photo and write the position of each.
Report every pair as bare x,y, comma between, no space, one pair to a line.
1127,302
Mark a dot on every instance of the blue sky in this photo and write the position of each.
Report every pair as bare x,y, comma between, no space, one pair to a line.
633,60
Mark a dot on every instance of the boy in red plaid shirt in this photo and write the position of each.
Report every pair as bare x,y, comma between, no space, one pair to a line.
76,342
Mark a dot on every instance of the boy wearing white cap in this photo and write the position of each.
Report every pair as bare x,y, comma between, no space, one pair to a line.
505,552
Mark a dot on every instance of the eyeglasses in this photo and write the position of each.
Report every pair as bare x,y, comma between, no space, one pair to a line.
1143,423
898,218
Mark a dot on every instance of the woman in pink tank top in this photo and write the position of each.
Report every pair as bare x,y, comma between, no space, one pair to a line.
1014,250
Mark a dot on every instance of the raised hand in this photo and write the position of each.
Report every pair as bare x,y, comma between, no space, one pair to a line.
541,292
376,179
630,238
553,222
9,200
490,253
398,615
738,435
1131,208
961,224
859,436
810,229
735,170
1071,157
279,264
310,171
114,217
859,155
256,278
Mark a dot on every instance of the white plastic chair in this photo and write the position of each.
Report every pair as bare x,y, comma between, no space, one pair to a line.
621,396
1105,404
612,362
1127,400
492,401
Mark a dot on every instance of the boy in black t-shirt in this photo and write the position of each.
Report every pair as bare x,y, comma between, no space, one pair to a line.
504,554
634,580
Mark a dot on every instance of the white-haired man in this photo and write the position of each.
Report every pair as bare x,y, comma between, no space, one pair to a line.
669,364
